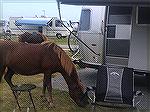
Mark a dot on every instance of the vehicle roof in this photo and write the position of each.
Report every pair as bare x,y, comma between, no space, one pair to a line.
33,21
106,2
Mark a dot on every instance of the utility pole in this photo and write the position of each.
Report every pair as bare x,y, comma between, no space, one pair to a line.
43,12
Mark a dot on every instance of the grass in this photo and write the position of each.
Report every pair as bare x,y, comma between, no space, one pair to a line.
62,100
62,41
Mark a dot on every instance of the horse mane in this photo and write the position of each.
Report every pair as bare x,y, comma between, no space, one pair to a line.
65,60
69,71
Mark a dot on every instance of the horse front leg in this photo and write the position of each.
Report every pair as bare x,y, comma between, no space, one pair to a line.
49,89
8,77
44,86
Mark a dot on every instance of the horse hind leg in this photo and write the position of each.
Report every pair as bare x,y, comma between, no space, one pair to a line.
8,77
2,70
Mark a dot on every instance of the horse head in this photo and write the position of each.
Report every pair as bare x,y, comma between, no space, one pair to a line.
76,88
80,98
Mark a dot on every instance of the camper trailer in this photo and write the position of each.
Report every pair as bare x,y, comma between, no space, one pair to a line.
118,34
115,33
47,26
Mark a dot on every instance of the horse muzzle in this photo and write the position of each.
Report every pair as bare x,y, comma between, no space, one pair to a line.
84,100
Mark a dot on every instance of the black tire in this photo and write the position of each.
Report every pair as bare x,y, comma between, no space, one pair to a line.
58,35
72,40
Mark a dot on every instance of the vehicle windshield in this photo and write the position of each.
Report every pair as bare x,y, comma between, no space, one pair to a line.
66,24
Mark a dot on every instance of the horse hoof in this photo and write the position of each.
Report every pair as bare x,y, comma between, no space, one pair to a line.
51,105
42,95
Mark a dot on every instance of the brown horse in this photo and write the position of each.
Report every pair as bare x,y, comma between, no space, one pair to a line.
47,58
34,37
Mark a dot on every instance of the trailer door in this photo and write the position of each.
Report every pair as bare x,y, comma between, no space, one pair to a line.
118,35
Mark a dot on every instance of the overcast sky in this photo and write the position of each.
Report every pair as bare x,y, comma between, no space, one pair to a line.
30,8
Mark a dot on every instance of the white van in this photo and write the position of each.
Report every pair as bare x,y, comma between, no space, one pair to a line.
47,26
14,29
56,28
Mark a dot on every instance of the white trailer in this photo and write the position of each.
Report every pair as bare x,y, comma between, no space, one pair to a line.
122,42
116,32
48,26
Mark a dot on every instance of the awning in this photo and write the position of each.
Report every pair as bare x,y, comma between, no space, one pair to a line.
33,21
106,2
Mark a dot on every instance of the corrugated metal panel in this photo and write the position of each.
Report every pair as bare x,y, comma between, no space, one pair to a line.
106,2
33,21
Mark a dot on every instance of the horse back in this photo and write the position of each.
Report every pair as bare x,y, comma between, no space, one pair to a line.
26,58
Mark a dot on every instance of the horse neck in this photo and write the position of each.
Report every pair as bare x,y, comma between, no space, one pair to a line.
69,72
73,82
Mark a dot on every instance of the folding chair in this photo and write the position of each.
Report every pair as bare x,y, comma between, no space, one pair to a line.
114,87
23,88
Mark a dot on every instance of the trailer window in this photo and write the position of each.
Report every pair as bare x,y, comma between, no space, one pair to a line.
143,15
58,23
120,15
85,20
118,47
111,30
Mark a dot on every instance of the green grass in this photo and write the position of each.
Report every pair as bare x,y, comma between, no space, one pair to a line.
62,100
62,41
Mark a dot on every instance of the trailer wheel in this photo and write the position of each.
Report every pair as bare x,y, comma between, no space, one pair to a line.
73,42
58,35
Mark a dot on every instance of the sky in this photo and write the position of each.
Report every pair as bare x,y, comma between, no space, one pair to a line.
30,8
